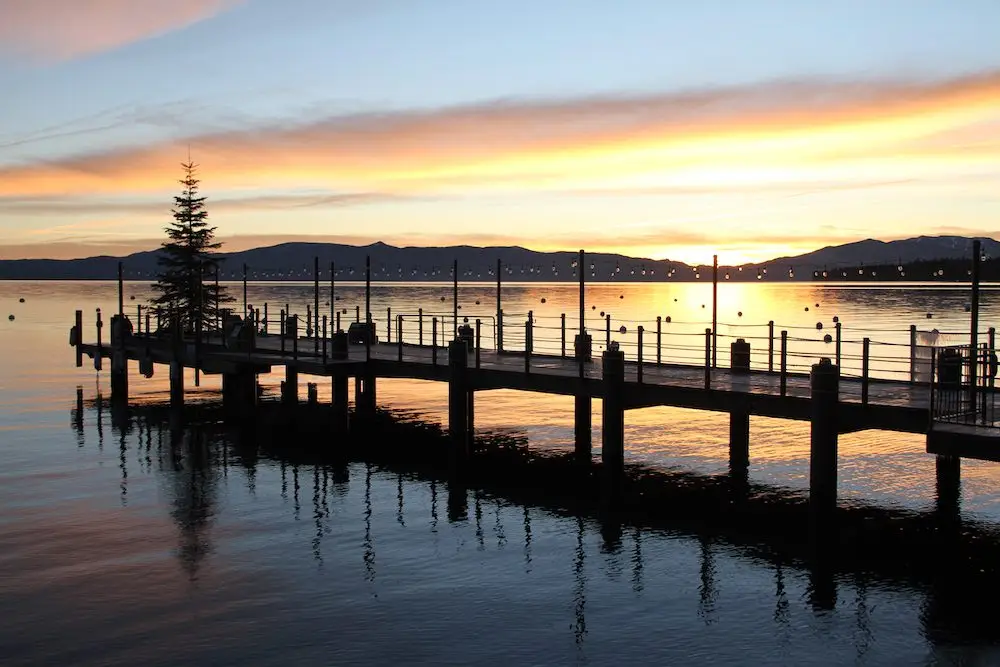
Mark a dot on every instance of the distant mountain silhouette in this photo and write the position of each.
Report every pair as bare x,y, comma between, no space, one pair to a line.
294,261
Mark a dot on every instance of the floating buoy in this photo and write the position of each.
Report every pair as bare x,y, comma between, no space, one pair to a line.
465,319
336,298
835,319
477,302
21,300
930,315
602,313
327,303
668,319
622,330
11,317
702,305
739,314
593,307
622,296
807,309
828,338
819,326
132,298
675,300
817,305
442,298
543,299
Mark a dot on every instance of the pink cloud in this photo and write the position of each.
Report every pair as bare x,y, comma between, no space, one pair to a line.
53,30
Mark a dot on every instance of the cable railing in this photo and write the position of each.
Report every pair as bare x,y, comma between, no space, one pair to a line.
785,351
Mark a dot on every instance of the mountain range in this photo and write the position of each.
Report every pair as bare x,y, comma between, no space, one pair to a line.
871,258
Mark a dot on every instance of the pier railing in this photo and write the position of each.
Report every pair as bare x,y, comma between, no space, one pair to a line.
963,385
903,355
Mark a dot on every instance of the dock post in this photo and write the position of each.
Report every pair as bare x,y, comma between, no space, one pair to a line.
715,310
265,319
582,419
479,342
708,358
119,359
770,346
659,338
784,362
312,393
948,486
364,393
434,346
176,364
282,333
613,425
824,384
499,309
913,352
78,338
324,340
420,327
837,348
562,332
638,356
290,387
458,403
607,331
239,391
739,435
528,333
99,357
388,324
341,409
399,336
865,348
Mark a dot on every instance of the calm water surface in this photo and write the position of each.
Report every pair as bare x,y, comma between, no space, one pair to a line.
117,547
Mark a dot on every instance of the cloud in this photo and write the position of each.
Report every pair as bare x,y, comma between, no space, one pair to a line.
53,30
738,137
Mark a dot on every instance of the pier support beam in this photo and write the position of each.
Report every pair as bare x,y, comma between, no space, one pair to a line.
119,359
948,485
613,426
290,387
582,421
341,410
364,394
176,385
459,422
824,398
739,436
239,392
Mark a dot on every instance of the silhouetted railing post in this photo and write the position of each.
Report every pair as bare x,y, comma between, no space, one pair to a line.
913,352
266,319
527,342
499,332
388,324
562,326
121,290
283,332
309,322
293,325
78,338
639,355
770,346
992,333
824,381
434,335
357,313
324,339
837,350
865,348
784,362
708,358
399,335
479,341
98,358
607,330
338,321
147,321
659,340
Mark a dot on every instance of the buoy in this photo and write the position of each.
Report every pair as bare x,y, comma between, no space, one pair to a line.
593,307
817,305
543,299
828,338
930,315
442,298
10,317
602,313
668,319
807,309
477,302
622,296
702,305
132,298
819,326
622,330
21,300
739,314
835,319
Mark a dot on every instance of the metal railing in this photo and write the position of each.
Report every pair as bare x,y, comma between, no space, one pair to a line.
962,386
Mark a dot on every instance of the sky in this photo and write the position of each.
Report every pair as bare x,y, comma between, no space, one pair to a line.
657,128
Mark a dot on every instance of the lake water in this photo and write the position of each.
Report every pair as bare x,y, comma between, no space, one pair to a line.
117,548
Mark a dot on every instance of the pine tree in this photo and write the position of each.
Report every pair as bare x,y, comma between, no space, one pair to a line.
188,262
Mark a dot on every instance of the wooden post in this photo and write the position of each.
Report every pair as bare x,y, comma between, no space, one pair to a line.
837,350
121,290
708,358
147,322
739,435
613,425
992,340
309,323
583,308
977,255
78,338
119,360
770,346
659,335
316,303
479,342
562,331
715,310
368,305
528,333
824,383
341,409
420,327
292,327
582,416
399,336
454,297
388,324
638,355
607,330
458,403
324,340
333,298
244,290
283,332
434,335
913,352
357,313
138,319
784,362
290,387
499,309
99,357
265,318
865,348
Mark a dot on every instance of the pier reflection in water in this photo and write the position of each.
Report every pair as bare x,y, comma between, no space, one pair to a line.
206,544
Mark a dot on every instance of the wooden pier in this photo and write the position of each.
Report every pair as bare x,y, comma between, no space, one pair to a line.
951,401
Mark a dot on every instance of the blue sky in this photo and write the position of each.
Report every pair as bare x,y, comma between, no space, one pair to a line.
102,101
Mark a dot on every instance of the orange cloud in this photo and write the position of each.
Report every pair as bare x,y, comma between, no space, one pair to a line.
58,30
715,140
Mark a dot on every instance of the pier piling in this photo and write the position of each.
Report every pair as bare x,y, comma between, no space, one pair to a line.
824,382
341,409
613,425
459,422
